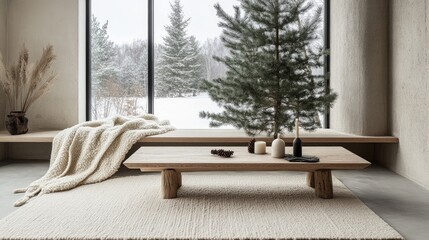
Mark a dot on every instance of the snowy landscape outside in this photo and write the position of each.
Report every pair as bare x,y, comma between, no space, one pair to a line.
119,59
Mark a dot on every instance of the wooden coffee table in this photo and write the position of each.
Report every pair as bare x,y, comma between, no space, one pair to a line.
171,161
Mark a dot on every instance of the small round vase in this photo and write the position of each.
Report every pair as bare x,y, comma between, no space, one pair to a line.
278,148
16,123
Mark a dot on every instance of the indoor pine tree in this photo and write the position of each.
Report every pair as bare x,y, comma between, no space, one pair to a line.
270,78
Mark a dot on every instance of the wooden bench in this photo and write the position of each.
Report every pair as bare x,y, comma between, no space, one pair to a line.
172,161
217,136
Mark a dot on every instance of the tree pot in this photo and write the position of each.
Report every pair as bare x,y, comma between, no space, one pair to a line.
17,123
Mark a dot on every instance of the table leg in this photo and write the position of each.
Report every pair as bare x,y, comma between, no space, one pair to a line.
323,184
310,179
179,179
169,183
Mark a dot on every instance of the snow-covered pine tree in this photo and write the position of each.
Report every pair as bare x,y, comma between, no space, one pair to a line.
103,69
102,53
179,62
195,61
270,80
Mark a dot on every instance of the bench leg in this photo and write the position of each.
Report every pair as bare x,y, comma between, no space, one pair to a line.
310,179
169,183
323,184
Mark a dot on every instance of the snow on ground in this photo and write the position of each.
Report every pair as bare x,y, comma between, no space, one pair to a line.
184,112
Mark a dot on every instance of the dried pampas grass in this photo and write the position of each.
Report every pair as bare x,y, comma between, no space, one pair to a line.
24,84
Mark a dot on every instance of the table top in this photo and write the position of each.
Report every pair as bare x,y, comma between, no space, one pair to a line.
200,159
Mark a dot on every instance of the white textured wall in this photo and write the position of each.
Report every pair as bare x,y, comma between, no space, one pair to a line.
409,90
36,24
359,66
61,23
3,52
3,20
3,11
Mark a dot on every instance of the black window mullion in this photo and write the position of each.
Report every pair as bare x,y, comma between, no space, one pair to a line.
88,95
327,58
151,67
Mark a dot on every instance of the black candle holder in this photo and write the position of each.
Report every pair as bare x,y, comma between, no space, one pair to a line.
297,147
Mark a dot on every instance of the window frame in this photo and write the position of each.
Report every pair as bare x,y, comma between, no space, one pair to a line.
327,57
151,64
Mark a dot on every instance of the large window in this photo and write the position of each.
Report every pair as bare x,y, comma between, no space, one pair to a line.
154,59
119,58
177,24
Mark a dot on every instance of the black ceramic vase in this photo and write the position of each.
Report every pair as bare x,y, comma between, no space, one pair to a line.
17,123
297,147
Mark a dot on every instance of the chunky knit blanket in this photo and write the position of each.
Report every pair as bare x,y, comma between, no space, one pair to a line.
91,152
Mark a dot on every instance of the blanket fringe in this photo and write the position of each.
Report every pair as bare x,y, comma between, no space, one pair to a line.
20,190
31,192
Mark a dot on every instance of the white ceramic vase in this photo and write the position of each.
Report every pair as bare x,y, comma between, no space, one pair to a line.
278,148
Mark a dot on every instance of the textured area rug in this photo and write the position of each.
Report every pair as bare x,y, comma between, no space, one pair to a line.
210,206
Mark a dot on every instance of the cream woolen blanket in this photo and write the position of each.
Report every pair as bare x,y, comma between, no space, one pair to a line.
91,152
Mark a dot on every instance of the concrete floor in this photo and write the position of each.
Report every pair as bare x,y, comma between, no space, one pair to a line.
399,201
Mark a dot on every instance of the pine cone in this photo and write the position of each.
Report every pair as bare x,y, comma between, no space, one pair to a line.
226,154
222,152
251,146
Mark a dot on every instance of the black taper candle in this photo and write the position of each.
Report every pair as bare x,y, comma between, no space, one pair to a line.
297,147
